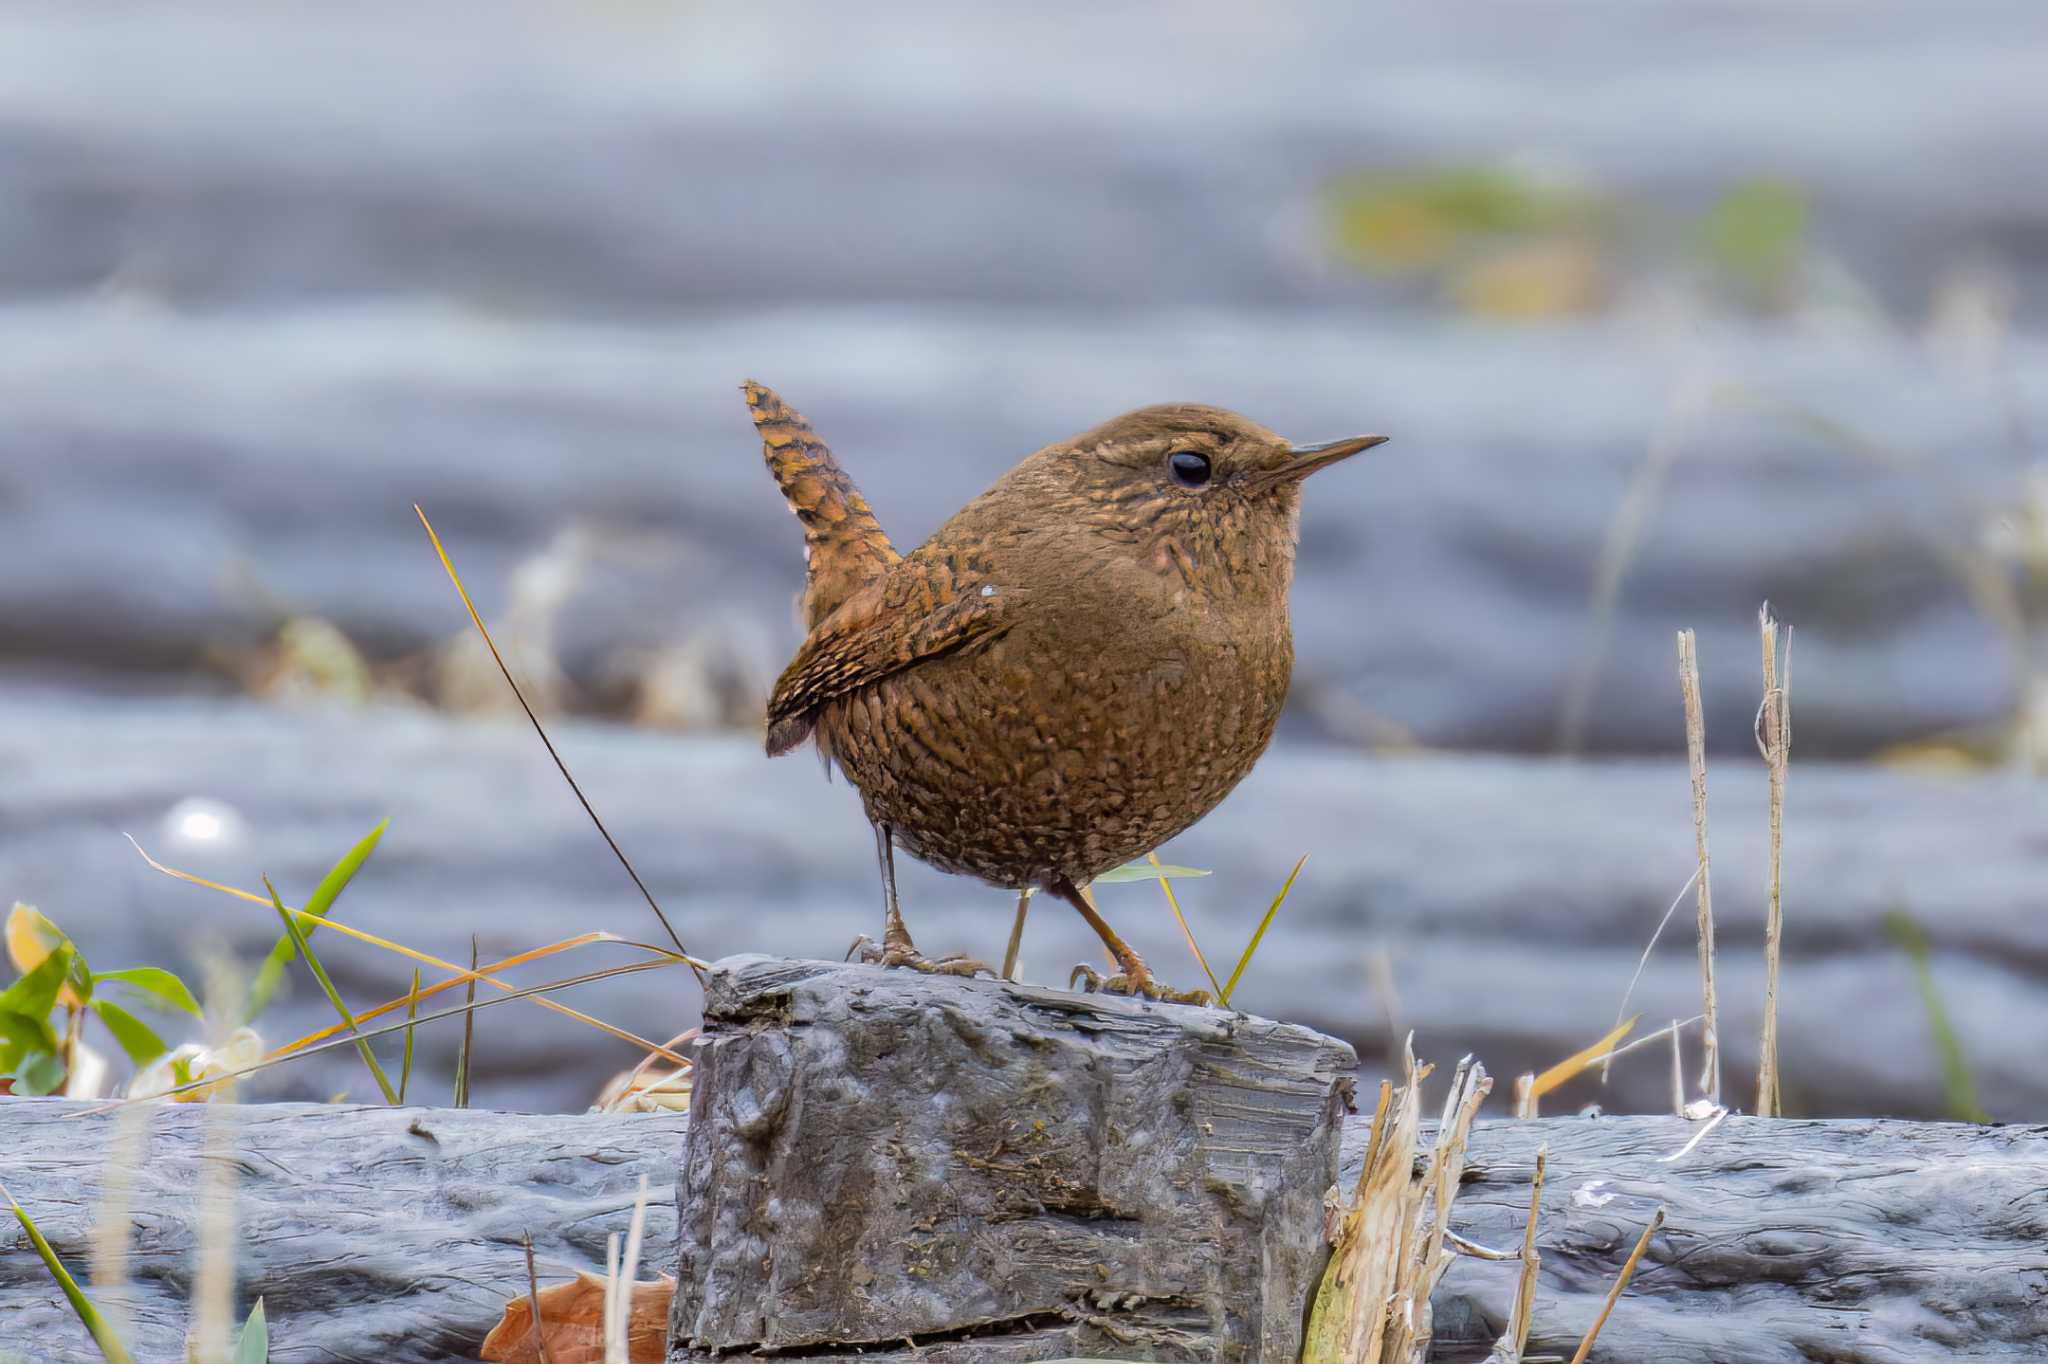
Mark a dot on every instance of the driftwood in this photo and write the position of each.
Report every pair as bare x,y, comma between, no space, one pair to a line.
376,1234
1784,1242
979,1171
392,1236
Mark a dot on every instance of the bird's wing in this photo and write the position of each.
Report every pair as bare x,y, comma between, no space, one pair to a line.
919,608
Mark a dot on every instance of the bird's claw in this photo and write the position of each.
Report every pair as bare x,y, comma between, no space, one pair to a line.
1122,983
905,954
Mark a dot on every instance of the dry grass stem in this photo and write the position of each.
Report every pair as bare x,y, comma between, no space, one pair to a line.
1645,1040
1696,754
1628,1271
1649,947
1713,1116
635,1092
1173,903
1774,737
426,959
618,1288
1392,1245
1017,932
215,1080
477,620
1508,1349
1677,1071
1379,973
540,1340
1691,401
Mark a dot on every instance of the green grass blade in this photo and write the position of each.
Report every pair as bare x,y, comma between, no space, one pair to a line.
1959,1084
270,975
253,1346
1251,948
468,1033
412,1013
298,941
102,1334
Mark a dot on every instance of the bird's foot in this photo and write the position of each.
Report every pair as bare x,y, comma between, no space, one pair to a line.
1141,984
904,953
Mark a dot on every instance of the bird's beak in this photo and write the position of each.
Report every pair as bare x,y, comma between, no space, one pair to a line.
1309,458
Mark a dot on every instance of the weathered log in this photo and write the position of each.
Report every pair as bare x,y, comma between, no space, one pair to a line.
975,1170
1787,1241
386,1235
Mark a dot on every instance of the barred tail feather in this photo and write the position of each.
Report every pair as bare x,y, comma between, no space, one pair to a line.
844,545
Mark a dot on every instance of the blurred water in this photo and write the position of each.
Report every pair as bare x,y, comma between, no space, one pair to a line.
1746,301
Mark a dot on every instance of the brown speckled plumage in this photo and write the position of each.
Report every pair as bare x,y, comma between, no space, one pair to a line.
1076,667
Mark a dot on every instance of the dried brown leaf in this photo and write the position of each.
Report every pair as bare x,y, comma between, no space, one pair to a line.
572,1324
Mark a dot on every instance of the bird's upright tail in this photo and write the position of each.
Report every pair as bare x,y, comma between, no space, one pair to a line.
844,546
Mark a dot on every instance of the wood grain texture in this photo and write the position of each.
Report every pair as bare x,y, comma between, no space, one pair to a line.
976,1170
1786,1242
390,1236
377,1234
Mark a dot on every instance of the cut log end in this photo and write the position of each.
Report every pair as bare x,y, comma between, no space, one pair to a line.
890,1161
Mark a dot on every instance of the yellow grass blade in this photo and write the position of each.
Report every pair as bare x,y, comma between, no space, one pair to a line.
461,973
1173,902
527,992
1572,1066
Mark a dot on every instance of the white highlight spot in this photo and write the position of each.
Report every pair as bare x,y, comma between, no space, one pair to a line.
988,589
197,821
1587,1195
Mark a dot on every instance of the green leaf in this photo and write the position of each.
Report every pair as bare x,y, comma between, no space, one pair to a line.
136,1037
39,1073
30,931
1145,871
254,1345
270,975
21,1034
35,994
102,1334
1757,230
164,989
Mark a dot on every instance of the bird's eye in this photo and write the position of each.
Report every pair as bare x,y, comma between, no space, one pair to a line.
1189,469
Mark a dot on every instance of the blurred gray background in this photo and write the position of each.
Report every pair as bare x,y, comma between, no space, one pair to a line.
1670,309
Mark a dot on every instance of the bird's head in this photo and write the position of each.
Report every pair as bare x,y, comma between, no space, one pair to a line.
1201,492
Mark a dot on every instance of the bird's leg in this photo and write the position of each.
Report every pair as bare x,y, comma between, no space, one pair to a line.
1133,977
1016,934
896,948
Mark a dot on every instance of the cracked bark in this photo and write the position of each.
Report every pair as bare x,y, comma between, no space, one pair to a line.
910,1166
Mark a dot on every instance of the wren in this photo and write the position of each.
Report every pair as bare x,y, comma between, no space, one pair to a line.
1075,668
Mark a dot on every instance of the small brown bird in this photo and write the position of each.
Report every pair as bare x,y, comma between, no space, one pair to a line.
1076,667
